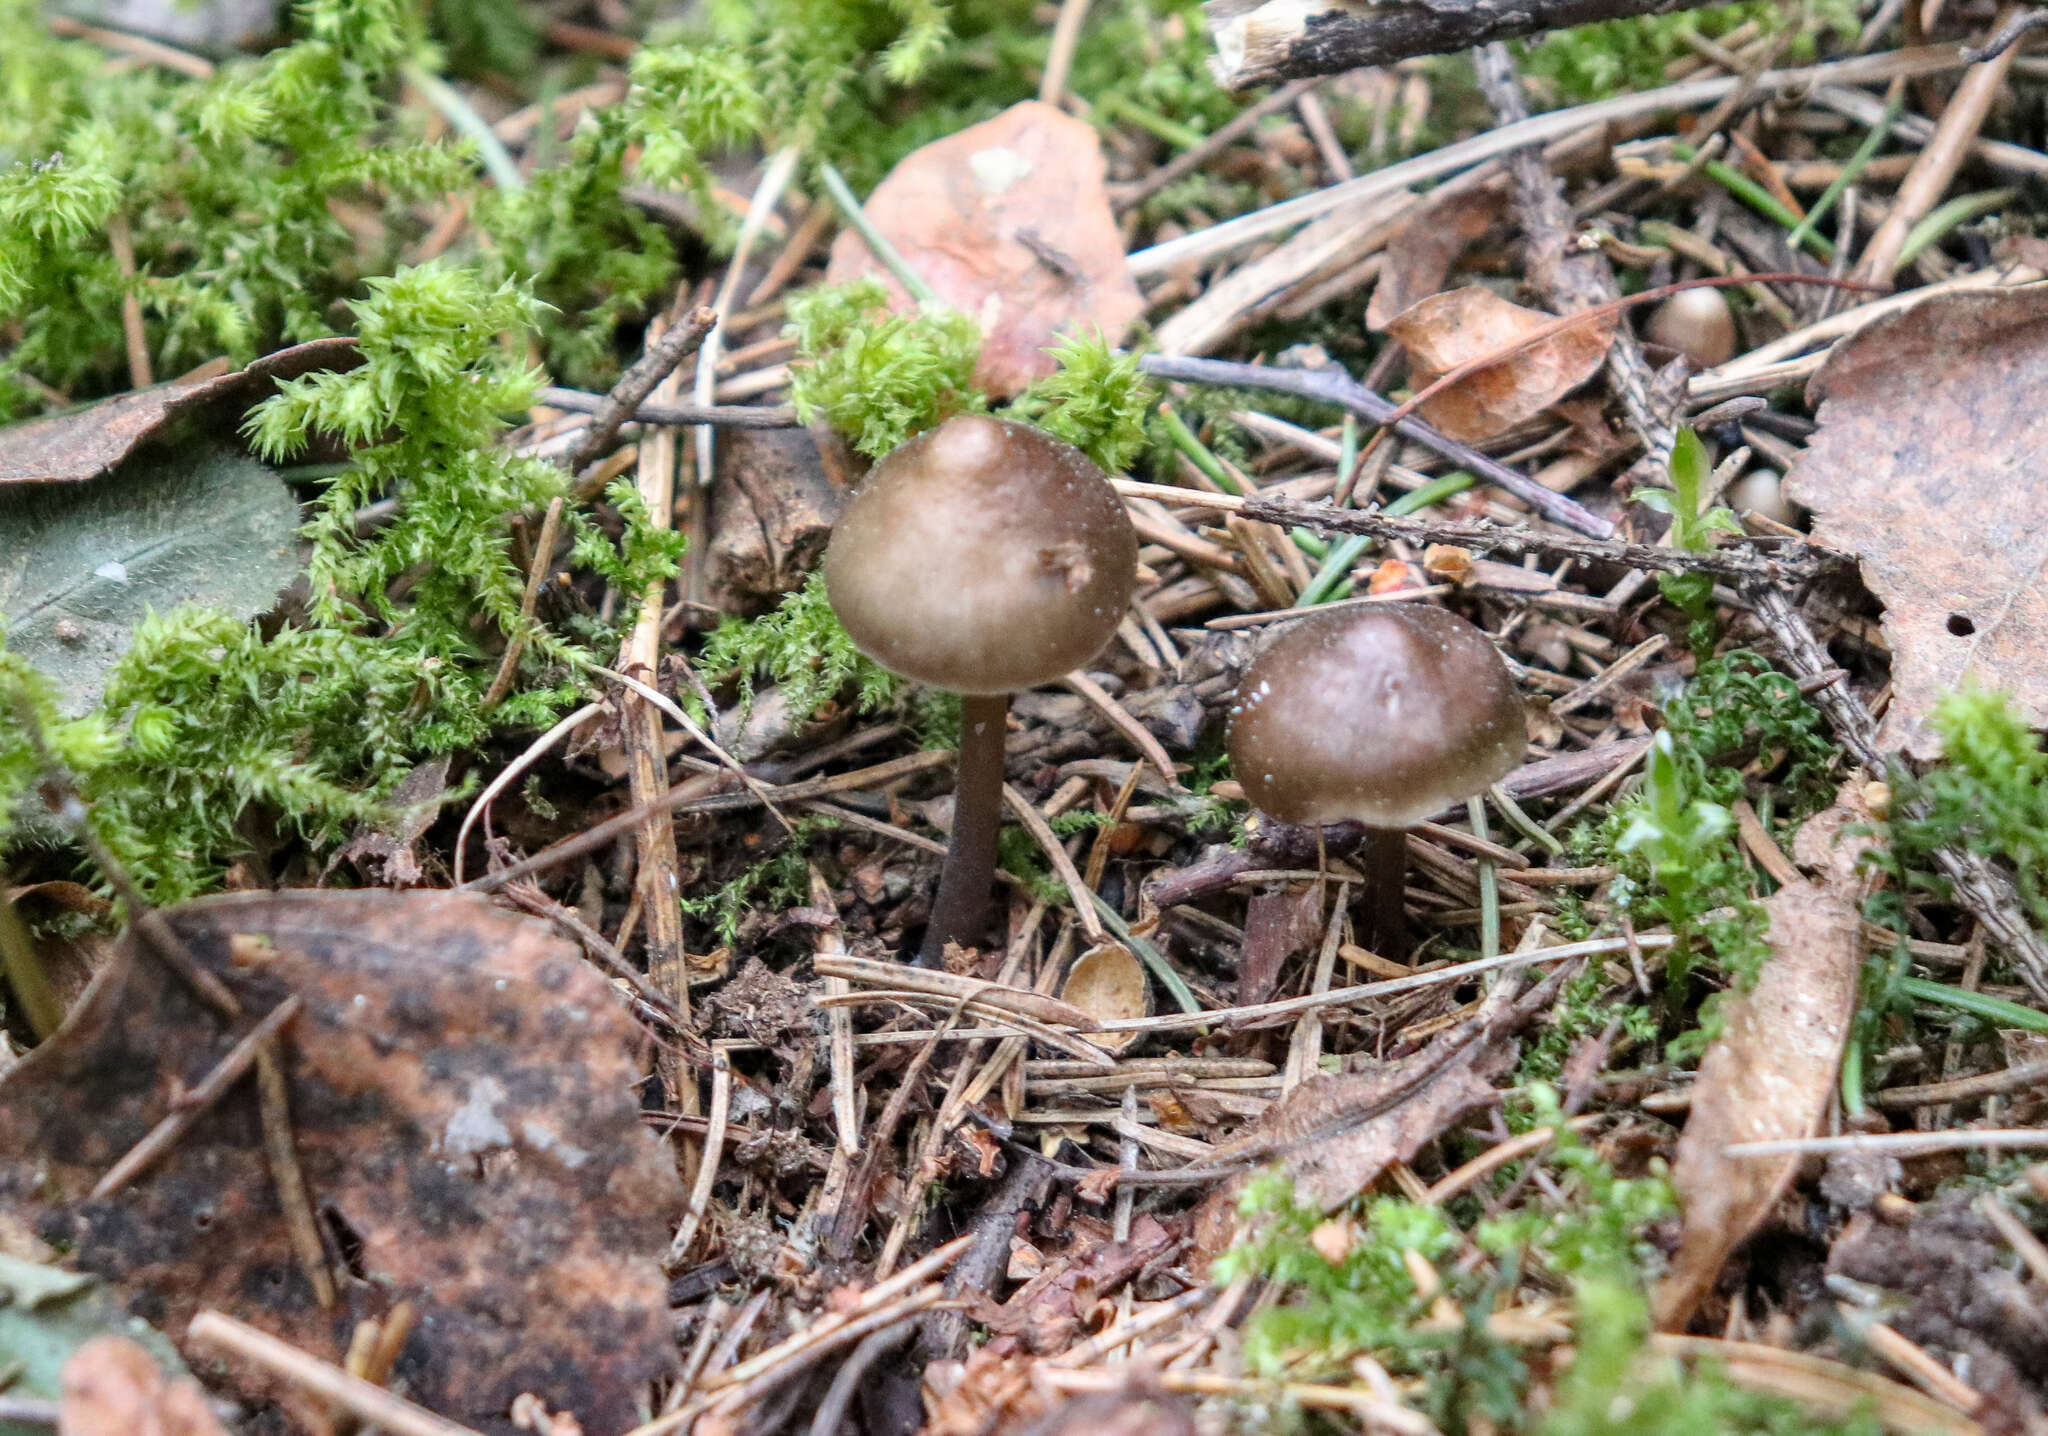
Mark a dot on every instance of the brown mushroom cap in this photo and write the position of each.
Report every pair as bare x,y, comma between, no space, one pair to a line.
1381,716
982,556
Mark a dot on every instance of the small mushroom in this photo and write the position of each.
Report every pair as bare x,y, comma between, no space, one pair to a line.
982,556
1698,324
1381,716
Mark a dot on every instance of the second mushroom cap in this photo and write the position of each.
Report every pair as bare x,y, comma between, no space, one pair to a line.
1382,716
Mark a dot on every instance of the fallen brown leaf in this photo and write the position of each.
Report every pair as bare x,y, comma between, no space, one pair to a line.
1770,1074
462,1089
1460,325
1927,467
112,1387
69,448
1008,221
1278,924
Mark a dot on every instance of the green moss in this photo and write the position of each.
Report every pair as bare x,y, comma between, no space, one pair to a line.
800,647
877,376
1593,62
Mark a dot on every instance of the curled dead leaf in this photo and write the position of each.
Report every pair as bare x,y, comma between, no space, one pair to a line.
1456,327
1009,222
112,1387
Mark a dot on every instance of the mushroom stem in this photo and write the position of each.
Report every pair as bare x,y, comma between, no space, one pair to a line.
960,910
1383,859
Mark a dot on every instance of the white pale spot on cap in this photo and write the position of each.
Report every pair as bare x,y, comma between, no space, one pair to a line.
112,571
998,167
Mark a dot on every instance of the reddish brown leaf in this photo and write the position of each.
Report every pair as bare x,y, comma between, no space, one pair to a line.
462,1094
83,444
112,1387
1769,1075
1453,328
1927,468
1008,222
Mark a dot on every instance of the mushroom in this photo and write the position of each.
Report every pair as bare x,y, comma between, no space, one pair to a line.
1381,716
1697,323
983,557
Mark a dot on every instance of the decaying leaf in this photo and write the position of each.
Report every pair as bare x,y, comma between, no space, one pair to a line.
1278,925
1460,325
1927,466
112,1387
83,444
1420,254
462,1092
84,563
1769,1075
1008,221
48,1316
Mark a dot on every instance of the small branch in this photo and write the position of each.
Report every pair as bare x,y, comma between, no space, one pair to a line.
1336,387
536,574
1735,563
196,1102
373,1405
1258,44
679,416
624,401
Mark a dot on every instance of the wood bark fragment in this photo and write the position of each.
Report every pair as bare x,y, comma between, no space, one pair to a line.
1261,43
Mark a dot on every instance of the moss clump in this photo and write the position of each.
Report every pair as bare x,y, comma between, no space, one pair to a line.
878,376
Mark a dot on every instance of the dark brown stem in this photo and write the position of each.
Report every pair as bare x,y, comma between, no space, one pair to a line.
960,911
1383,859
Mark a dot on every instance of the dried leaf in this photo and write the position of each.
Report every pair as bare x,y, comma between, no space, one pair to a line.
84,563
462,1092
70,448
1461,325
1108,983
112,1387
1769,1075
1927,466
48,1315
1008,221
1420,254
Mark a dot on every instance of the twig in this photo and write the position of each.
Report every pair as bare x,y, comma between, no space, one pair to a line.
1062,863
775,178
680,800
2008,35
122,244
535,751
1936,168
1899,1144
707,1165
536,574
1245,229
1214,143
611,411
371,1404
839,1395
1792,563
1964,1089
680,416
196,1101
1337,387
1120,718
273,1098
1059,55
831,942
1981,888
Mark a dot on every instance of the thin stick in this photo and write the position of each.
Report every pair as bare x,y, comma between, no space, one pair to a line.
1337,387
683,799
373,1405
1787,561
609,413
1119,717
1538,129
196,1102
1062,863
680,416
831,942
1059,56
274,1099
533,754
122,243
707,1167
536,574
774,179
1898,1144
